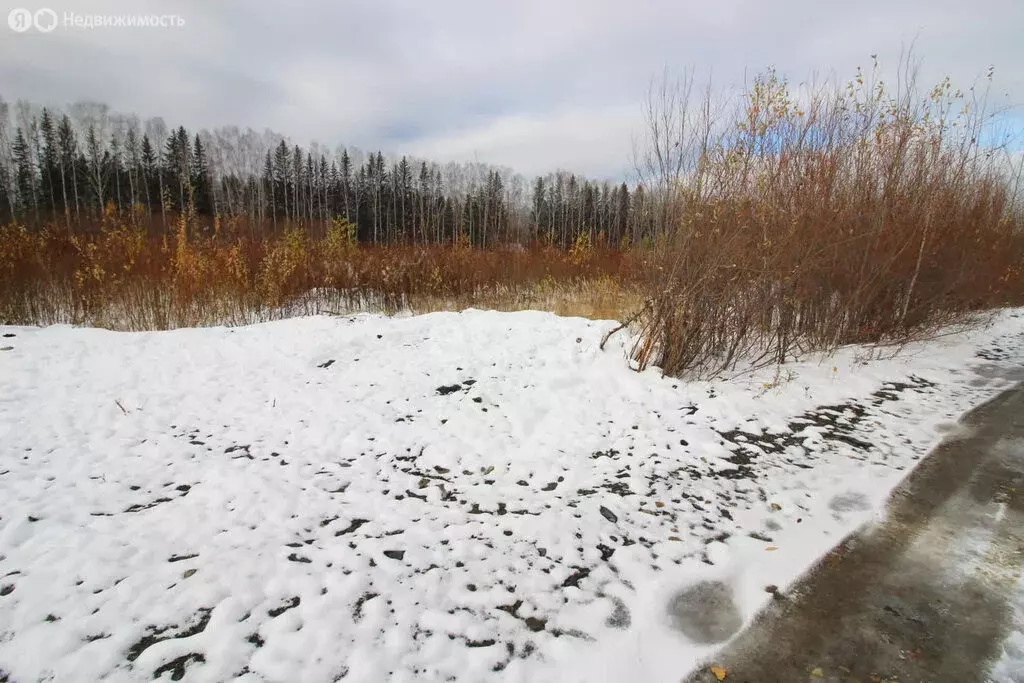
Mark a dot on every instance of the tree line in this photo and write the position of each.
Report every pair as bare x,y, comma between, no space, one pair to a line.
67,169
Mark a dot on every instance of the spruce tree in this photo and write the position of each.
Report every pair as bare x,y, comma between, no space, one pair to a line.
148,176
268,185
281,176
200,180
24,175
346,183
49,173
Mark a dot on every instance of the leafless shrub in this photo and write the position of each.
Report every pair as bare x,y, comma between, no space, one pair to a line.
822,216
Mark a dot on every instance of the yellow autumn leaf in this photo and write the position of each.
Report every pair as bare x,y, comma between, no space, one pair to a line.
817,672
719,672
771,548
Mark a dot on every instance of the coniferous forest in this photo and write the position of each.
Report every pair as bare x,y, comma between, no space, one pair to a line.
66,168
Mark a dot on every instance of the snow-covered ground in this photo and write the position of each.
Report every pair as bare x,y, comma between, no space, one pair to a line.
463,497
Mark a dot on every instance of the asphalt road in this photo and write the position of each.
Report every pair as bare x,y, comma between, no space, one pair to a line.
922,596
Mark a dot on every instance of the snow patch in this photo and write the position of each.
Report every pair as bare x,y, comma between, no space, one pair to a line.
454,496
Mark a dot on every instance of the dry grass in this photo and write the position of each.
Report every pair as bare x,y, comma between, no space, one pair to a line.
117,277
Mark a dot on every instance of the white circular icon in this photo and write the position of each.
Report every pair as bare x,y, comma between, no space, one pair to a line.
45,20
20,19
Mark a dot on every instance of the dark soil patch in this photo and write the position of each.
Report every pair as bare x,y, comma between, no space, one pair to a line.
159,634
353,526
357,610
837,423
574,579
178,665
138,507
180,558
290,604
480,643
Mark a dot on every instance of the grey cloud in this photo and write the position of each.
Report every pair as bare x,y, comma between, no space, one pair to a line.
501,82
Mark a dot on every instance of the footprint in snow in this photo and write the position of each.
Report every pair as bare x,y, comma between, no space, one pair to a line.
849,502
705,612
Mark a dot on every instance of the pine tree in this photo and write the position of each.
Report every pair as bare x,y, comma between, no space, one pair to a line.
336,201
148,178
325,190
403,186
392,195
359,193
622,212
200,179
6,209
375,176
48,167
281,177
268,184
309,176
24,178
298,198
538,217
116,168
6,200
346,183
423,199
178,163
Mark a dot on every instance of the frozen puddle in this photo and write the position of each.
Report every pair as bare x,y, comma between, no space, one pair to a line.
444,497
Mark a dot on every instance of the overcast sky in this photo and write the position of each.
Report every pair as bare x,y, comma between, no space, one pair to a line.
532,84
